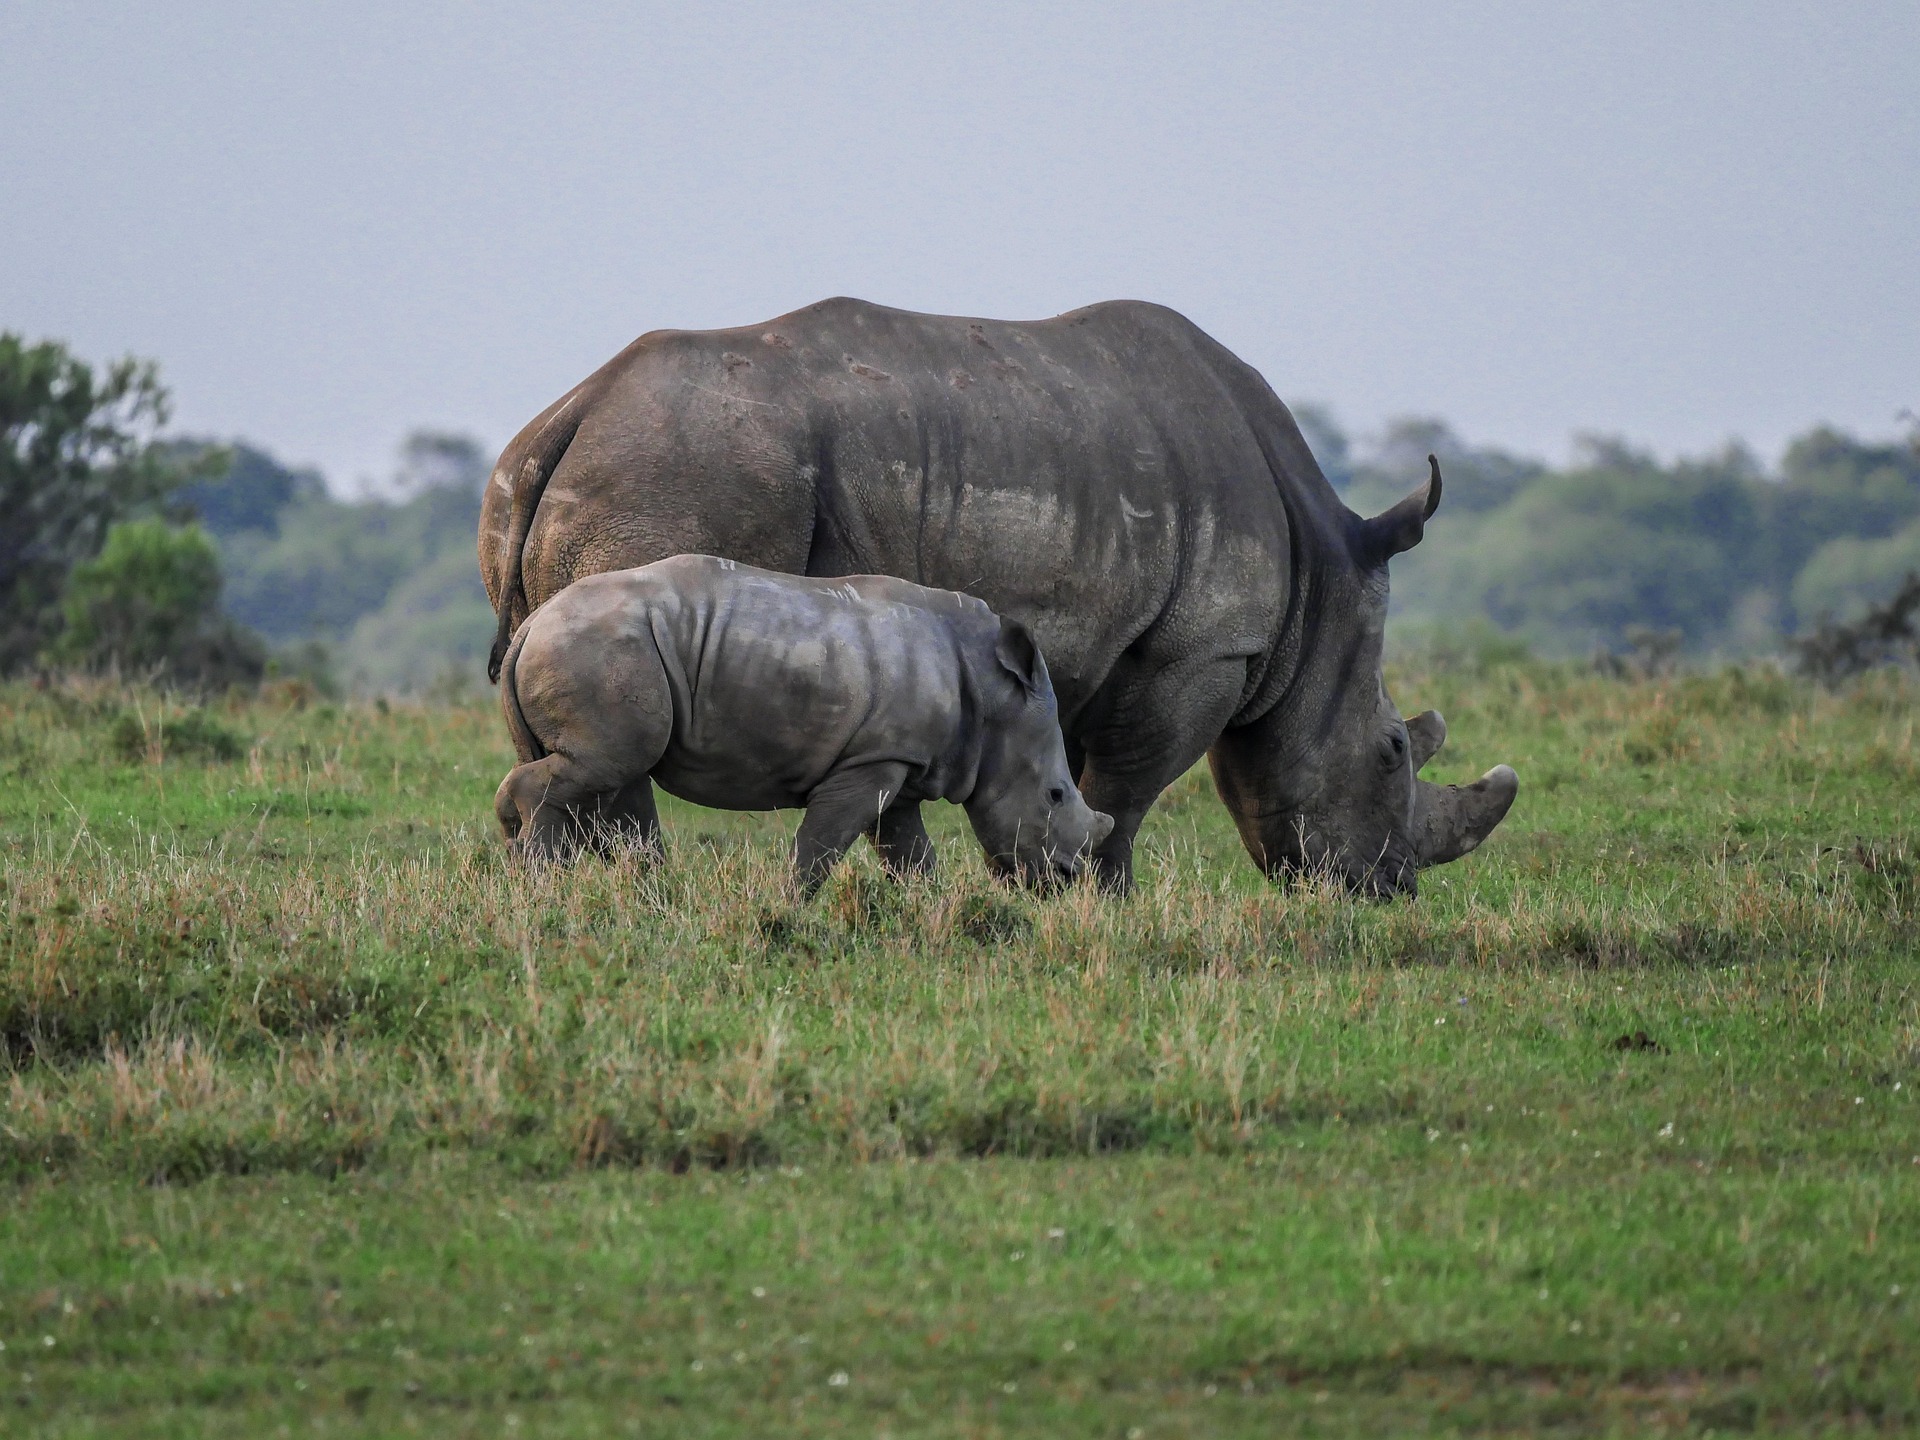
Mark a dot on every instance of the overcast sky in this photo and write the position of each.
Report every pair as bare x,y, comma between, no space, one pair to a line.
334,222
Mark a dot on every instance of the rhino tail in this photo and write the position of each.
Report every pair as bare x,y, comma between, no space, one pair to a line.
526,744
535,466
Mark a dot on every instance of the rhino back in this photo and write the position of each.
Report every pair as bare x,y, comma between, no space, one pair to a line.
1112,476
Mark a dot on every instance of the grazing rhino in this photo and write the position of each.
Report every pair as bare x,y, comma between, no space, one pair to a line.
1112,477
742,689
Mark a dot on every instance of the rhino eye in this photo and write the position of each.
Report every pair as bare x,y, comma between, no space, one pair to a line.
1056,795
1396,752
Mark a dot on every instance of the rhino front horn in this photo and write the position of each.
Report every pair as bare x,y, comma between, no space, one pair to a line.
1451,820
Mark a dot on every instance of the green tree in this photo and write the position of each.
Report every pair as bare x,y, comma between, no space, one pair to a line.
387,581
1846,575
77,454
1835,488
441,461
149,602
242,489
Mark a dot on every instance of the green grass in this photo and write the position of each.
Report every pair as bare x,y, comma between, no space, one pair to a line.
1613,1131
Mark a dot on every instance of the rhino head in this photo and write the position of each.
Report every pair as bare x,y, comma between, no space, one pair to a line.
1328,781
1024,808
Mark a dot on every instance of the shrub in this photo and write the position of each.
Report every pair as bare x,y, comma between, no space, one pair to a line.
1888,634
150,602
191,735
77,453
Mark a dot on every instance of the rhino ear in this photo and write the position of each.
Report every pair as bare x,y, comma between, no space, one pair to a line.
1401,527
1019,656
1426,733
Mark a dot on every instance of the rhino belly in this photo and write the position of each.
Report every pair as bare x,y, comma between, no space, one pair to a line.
731,782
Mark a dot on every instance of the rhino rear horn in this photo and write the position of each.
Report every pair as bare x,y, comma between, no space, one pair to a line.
1400,527
1451,820
1426,733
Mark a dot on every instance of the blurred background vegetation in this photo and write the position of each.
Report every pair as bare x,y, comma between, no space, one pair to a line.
215,562
212,563
381,592
1730,555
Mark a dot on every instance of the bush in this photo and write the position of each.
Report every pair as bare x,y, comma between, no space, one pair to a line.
150,602
305,670
77,454
190,735
1888,634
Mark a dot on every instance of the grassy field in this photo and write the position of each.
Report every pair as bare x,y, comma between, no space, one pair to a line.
316,1114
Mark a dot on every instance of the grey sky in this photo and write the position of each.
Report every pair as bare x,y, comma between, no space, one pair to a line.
331,223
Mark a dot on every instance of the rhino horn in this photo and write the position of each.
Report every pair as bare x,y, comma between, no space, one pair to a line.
1426,733
1450,820
1401,526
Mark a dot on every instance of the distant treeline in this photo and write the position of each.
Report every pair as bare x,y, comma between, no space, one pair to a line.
387,585
124,549
214,562
1731,554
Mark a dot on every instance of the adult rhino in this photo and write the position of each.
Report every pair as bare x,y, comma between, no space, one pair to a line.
1113,478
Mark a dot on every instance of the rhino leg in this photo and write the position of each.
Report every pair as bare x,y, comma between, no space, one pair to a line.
603,714
900,837
545,808
841,809
1113,857
549,810
1159,734
626,817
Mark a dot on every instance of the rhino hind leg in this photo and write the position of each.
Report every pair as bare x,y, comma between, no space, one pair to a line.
604,714
550,811
900,838
842,808
628,816
544,806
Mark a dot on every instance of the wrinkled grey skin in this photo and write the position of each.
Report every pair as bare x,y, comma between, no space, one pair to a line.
1112,477
856,699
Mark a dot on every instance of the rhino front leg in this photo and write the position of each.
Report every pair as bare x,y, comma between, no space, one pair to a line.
1113,859
900,837
1148,743
841,809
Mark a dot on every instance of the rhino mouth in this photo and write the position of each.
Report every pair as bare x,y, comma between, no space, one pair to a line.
1385,881
1292,858
1052,873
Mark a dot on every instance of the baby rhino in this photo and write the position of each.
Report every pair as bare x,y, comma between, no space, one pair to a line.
742,689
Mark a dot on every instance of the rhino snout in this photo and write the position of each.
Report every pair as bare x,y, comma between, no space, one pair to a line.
1077,829
1068,858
